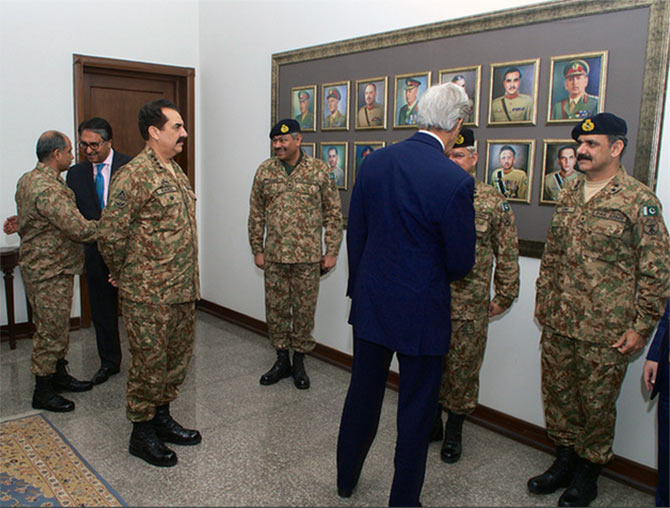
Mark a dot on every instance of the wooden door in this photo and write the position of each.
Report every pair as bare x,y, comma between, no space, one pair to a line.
116,90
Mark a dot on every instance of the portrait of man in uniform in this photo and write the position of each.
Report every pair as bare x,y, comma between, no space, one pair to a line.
335,106
371,103
514,92
361,150
509,167
577,87
308,148
303,107
335,156
469,78
559,170
408,90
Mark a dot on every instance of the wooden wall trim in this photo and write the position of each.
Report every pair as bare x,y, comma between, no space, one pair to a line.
623,470
26,329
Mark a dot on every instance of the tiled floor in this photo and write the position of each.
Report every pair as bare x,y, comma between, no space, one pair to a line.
269,446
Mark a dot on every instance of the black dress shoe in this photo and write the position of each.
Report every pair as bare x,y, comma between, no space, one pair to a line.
300,379
170,431
64,382
342,492
279,370
103,374
45,397
144,443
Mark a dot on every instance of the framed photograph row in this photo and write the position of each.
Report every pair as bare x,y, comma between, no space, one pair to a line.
576,90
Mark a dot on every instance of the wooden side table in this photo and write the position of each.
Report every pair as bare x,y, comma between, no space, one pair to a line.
10,259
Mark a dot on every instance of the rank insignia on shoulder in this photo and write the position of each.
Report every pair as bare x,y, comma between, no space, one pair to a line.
121,196
650,211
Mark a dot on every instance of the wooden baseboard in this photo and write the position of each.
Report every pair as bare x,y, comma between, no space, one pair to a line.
623,470
26,329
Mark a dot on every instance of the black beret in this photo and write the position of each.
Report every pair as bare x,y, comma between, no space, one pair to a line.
465,138
285,126
602,123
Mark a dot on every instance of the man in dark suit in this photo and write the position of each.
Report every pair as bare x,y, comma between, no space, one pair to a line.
410,234
656,375
90,182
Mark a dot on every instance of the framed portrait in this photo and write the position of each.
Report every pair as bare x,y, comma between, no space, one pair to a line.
303,107
513,92
371,97
335,107
361,149
576,87
470,79
509,167
334,154
559,168
308,148
408,91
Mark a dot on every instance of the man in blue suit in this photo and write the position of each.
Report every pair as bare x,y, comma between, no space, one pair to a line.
656,376
90,180
410,234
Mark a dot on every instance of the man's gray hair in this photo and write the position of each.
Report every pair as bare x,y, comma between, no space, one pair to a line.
442,106
48,143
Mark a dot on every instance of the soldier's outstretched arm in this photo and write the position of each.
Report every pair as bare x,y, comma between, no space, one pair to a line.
61,211
505,243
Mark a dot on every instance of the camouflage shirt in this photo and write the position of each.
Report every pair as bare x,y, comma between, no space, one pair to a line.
294,209
605,264
50,226
148,234
496,236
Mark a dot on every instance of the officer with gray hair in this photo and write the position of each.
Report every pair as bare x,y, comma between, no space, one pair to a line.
410,234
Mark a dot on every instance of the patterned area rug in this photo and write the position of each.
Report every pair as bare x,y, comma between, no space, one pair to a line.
38,467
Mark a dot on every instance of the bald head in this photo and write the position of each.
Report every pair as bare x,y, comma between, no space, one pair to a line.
54,149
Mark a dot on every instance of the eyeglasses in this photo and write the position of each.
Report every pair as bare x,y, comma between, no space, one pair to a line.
93,146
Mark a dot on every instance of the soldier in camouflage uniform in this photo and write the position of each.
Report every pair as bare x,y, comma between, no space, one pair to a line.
292,200
51,228
149,241
602,287
471,306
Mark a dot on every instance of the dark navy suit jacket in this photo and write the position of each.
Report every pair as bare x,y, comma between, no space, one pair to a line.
658,352
410,233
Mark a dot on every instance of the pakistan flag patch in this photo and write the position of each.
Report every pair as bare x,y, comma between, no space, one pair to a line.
505,207
650,211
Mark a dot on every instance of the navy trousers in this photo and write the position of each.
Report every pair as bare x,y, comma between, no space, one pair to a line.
662,497
418,397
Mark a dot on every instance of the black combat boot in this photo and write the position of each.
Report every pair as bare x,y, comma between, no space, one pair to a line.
558,475
144,443
300,379
64,382
436,433
584,485
45,397
169,431
453,430
280,369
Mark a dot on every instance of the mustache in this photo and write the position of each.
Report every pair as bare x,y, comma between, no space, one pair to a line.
584,157
182,139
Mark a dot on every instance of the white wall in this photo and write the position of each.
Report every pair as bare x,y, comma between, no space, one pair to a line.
37,40
230,43
237,39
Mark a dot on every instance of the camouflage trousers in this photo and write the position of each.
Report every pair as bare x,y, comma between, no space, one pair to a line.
160,339
291,290
51,303
580,385
460,381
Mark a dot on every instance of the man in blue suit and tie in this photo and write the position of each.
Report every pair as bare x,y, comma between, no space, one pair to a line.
656,374
90,181
410,234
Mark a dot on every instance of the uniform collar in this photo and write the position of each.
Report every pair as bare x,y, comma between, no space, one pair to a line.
48,170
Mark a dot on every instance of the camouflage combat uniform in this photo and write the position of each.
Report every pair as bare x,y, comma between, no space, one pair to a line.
50,227
604,270
496,237
149,240
293,209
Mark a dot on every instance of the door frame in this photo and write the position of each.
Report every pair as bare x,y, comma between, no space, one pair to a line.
184,78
